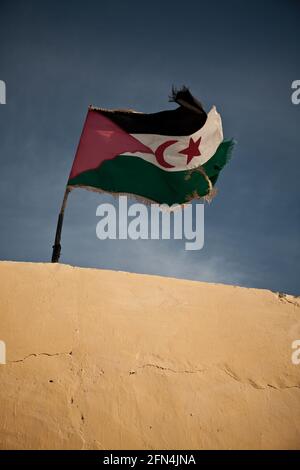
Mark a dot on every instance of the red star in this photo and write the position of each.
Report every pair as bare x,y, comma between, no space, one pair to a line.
192,150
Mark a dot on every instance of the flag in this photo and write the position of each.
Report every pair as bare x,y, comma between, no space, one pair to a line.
169,157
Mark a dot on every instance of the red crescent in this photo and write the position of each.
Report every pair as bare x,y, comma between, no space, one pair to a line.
159,153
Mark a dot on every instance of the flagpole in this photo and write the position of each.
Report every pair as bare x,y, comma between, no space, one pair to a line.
57,246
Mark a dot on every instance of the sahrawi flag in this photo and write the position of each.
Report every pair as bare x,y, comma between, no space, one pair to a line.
167,157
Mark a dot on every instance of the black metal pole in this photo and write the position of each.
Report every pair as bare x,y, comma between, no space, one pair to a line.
57,246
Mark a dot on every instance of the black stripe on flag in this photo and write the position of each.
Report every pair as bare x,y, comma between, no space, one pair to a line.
185,120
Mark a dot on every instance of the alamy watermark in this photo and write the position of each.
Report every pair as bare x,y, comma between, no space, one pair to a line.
296,354
2,92
2,352
153,221
295,96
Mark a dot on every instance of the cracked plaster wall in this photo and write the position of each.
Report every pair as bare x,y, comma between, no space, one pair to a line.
106,360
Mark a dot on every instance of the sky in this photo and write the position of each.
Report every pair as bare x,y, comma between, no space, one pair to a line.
57,57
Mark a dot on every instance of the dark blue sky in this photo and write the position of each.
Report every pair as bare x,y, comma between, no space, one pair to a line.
58,57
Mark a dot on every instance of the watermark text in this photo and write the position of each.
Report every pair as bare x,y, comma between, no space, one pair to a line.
153,221
2,92
296,353
295,97
2,352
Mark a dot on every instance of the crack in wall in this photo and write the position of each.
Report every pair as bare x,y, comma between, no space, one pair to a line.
285,387
252,383
169,369
41,354
284,298
249,382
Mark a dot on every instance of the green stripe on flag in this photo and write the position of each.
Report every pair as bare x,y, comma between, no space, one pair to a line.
133,175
